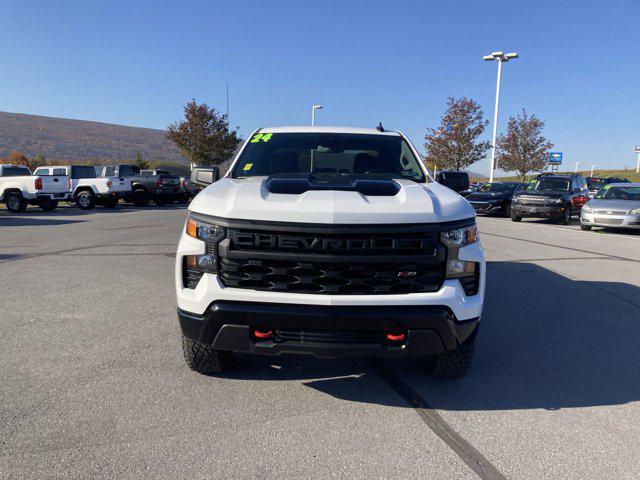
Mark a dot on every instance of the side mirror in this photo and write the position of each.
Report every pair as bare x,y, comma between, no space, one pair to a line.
456,181
204,176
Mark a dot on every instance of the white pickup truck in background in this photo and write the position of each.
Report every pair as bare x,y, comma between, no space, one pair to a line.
19,188
86,188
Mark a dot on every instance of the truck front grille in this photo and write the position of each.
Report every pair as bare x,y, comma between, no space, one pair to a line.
331,337
331,278
367,261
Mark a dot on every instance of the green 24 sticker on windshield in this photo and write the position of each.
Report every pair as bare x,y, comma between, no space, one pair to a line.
261,137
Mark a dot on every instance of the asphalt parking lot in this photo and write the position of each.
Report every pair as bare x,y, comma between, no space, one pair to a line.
94,384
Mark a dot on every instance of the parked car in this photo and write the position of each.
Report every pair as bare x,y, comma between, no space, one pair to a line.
551,195
86,188
456,181
361,254
615,205
494,198
160,187
19,188
596,183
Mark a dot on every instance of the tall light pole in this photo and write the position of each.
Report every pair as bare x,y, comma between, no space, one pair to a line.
576,170
500,57
313,113
592,167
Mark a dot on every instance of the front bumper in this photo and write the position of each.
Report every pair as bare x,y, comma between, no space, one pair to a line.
612,221
328,331
538,211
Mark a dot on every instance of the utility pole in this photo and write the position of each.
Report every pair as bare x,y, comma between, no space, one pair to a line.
500,57
576,169
313,114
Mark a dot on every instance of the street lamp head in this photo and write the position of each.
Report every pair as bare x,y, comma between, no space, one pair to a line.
511,56
497,54
488,58
316,107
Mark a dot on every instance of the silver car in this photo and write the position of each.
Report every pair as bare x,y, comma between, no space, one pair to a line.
615,205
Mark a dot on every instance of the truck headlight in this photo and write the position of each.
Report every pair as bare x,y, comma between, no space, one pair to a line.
633,212
454,240
211,234
555,200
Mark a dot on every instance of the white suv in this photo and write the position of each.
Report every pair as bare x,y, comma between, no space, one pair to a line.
334,242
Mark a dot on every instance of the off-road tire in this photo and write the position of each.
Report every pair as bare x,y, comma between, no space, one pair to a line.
110,202
452,364
49,206
515,217
203,358
140,198
15,202
86,200
585,227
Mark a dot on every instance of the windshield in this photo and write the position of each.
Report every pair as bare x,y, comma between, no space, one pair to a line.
498,187
330,154
15,171
619,193
596,183
549,184
83,172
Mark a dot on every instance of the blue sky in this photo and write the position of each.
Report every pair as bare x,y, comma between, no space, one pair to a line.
137,63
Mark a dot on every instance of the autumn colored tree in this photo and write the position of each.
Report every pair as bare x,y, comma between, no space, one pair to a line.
523,148
454,145
18,158
203,136
140,162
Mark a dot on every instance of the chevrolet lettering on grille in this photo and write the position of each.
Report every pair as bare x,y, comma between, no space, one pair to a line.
248,240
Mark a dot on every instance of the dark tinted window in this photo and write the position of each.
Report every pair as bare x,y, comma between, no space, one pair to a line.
328,154
15,171
59,171
454,180
550,184
497,187
129,170
83,172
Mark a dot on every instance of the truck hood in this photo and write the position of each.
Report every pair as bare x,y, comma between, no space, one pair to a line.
248,199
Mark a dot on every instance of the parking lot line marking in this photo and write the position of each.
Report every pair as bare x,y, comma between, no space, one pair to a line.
467,453
604,255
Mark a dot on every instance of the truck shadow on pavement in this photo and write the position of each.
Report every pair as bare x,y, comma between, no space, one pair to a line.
546,342
31,221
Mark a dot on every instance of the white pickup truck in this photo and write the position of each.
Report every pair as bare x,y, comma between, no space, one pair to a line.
86,189
19,188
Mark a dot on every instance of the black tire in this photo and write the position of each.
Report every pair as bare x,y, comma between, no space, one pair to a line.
15,202
110,202
140,198
203,358
49,206
86,200
160,200
507,211
565,218
585,227
452,364
183,199
514,216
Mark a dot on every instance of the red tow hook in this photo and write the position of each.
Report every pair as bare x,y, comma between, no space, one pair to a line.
262,334
396,337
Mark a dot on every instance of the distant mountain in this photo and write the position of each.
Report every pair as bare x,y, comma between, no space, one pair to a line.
81,140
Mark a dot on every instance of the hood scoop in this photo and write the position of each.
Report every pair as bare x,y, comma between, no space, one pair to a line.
297,184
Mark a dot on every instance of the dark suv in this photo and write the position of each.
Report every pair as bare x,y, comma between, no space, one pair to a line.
551,195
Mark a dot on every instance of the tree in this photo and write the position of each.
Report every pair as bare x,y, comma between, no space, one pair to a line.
455,145
203,136
523,148
38,161
140,162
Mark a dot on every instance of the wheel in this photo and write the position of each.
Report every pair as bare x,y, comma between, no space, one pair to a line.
183,199
452,364
15,202
85,200
514,216
507,211
203,358
585,227
140,198
49,206
160,200
110,202
565,219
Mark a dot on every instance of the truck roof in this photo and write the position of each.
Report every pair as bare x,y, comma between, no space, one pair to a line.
325,129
